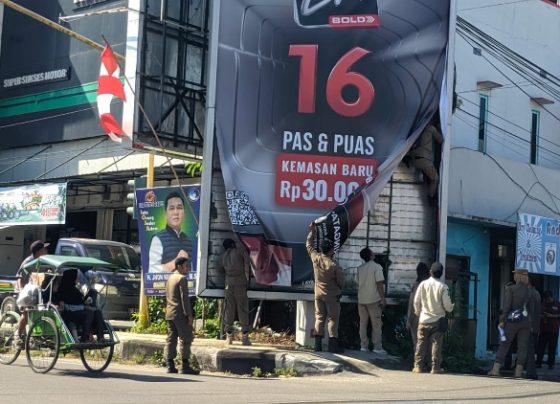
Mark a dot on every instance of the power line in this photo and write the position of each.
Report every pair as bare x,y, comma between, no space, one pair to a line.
512,123
513,60
508,132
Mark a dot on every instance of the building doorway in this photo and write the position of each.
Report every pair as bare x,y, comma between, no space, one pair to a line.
78,224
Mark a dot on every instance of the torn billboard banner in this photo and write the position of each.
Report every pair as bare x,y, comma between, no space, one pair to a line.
316,103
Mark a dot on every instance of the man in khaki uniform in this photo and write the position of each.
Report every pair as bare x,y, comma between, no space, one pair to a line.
179,317
371,300
431,302
517,297
423,157
234,262
328,284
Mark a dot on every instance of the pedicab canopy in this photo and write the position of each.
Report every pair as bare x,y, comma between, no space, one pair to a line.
59,263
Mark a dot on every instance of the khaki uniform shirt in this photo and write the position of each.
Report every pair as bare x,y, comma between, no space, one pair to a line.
424,146
177,295
515,297
369,274
234,262
432,301
328,275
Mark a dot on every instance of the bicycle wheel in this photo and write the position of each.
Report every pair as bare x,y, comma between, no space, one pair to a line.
96,360
42,345
9,352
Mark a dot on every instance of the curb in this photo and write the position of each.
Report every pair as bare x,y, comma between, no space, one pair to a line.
236,360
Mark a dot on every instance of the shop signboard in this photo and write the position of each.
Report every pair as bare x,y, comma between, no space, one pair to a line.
168,229
33,204
538,242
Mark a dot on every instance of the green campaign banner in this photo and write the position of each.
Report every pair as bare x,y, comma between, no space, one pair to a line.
167,229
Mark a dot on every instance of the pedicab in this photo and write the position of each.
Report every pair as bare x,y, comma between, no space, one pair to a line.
47,335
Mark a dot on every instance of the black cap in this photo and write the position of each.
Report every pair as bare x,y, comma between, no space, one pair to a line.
37,246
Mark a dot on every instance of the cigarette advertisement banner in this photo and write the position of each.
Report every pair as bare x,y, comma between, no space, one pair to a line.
33,204
167,229
538,242
316,104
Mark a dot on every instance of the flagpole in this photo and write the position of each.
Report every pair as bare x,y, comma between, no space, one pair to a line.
160,145
58,27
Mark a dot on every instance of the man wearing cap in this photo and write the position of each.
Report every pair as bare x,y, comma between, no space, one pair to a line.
515,320
431,303
38,249
328,289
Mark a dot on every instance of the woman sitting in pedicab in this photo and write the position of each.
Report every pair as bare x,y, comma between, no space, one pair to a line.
77,311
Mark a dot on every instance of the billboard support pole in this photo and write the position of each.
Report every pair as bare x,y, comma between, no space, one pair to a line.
444,180
143,312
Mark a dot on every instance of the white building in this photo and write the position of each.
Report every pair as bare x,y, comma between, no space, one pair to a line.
505,147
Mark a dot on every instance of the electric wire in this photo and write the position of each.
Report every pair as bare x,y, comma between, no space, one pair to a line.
507,132
541,138
537,181
511,59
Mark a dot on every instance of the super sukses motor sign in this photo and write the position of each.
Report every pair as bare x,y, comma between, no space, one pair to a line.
317,101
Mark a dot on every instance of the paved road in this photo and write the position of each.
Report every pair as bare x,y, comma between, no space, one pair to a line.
69,383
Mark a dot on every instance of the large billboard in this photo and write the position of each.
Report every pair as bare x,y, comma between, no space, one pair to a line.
316,103
167,229
538,243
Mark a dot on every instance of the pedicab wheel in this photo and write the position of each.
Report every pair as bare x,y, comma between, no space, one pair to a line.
9,351
96,359
9,304
42,345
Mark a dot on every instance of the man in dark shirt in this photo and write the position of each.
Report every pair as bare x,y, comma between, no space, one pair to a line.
550,315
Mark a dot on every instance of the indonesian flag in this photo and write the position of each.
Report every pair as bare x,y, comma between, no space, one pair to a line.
109,86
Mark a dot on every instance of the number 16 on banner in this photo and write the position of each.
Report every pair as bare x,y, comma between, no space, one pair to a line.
339,77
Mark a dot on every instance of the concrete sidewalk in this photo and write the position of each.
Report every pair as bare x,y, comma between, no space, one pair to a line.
213,355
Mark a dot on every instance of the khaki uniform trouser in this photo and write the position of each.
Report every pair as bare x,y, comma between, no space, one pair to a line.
371,312
236,302
523,331
327,307
183,331
428,334
427,167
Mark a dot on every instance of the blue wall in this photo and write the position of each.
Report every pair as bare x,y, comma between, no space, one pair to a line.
472,241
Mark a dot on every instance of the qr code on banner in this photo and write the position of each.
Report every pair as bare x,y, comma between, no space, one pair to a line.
240,210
